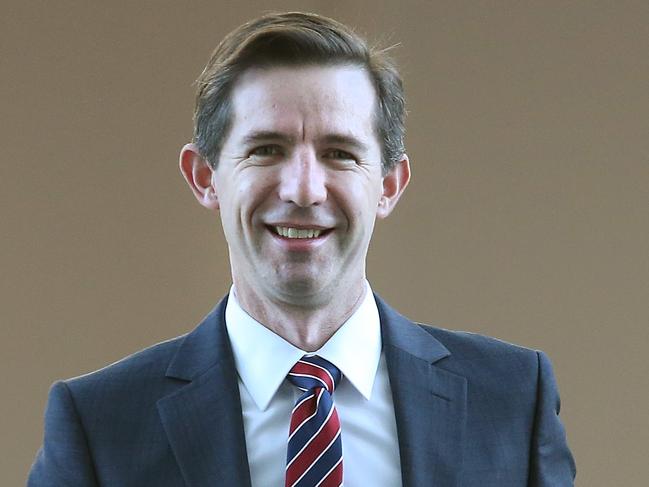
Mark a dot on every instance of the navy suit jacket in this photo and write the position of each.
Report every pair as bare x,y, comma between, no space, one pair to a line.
470,411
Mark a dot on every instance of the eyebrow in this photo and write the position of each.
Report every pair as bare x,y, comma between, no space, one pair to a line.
266,135
334,138
346,140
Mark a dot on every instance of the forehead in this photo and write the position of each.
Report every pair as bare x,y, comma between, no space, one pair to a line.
307,98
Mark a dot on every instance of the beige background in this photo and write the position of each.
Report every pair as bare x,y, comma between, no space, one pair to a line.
527,218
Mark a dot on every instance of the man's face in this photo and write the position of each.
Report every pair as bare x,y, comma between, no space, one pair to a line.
299,181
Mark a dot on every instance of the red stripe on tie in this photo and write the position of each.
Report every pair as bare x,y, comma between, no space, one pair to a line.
317,445
334,478
301,413
315,371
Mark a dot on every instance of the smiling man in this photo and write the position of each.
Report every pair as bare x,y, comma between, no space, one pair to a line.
298,185
301,376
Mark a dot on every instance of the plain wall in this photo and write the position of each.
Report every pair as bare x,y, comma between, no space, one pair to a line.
527,218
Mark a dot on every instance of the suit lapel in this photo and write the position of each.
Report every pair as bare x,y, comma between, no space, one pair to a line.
202,419
429,402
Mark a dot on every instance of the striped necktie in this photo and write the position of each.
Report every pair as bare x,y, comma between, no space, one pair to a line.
314,456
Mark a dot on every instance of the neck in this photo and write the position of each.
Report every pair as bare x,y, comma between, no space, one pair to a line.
308,327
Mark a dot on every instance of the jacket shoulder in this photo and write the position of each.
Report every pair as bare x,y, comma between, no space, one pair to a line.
466,345
491,364
145,366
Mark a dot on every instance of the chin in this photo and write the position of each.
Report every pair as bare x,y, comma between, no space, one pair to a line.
305,288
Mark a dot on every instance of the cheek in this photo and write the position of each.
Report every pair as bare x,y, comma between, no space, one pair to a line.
252,193
360,195
359,208
353,196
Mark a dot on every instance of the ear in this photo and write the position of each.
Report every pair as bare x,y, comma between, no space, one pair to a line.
198,174
394,184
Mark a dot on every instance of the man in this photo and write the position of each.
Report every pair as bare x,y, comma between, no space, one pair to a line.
301,376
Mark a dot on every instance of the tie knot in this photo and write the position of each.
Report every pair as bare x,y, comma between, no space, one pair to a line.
311,372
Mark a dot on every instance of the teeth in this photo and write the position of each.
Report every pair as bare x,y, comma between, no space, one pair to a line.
290,232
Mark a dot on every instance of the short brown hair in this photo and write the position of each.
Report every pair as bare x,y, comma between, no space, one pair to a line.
294,38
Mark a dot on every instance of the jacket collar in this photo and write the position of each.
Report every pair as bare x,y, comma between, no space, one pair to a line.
429,402
203,419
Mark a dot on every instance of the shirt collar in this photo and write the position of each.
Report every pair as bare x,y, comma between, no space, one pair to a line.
263,358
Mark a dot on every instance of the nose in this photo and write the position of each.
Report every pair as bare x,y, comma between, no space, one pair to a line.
303,180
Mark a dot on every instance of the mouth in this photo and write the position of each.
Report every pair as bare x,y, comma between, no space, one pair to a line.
301,233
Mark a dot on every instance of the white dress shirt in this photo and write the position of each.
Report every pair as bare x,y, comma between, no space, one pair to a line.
363,398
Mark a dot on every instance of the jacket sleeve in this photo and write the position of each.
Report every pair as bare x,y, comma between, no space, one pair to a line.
64,459
551,463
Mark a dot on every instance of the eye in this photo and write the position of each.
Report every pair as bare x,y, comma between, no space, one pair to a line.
266,151
340,155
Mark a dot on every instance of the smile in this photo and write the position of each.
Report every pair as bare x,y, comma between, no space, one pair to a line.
290,232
